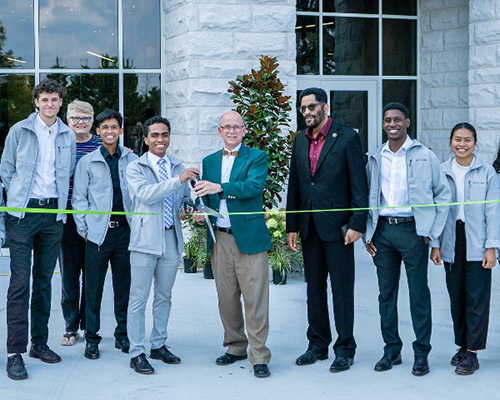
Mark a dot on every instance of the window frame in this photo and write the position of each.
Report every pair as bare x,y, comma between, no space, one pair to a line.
120,71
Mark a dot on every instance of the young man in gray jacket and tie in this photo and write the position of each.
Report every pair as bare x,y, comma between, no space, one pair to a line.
157,184
100,185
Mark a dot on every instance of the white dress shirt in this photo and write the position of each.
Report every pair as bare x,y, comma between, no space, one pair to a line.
394,181
44,185
153,159
227,166
459,173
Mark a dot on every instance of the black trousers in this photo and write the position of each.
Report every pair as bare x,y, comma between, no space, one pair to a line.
336,259
114,249
40,233
469,287
72,267
396,243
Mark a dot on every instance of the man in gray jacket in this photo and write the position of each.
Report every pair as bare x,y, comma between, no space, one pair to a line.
403,173
37,161
157,184
100,185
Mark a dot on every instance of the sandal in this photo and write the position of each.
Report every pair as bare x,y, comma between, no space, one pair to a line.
69,338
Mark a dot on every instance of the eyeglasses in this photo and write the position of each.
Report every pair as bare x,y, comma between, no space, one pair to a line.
80,119
310,107
236,128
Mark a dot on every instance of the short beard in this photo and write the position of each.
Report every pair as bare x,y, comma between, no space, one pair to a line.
317,119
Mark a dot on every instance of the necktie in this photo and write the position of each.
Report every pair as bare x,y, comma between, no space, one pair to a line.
229,153
168,201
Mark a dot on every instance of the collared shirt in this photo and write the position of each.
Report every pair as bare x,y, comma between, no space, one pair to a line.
227,166
112,161
44,185
316,144
394,181
460,172
153,159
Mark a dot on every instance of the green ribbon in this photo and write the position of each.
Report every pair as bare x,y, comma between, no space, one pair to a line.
90,212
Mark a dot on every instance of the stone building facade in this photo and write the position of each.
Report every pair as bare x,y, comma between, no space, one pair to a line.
208,43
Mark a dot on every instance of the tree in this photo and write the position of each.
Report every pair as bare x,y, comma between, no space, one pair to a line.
260,100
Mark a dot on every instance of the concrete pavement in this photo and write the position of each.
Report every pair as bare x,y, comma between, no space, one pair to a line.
196,336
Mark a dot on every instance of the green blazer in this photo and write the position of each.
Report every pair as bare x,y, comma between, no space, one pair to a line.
243,193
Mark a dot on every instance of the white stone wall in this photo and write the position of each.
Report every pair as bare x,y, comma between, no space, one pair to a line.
484,74
208,43
460,72
444,64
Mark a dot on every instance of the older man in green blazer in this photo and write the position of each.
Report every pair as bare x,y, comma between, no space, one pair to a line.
233,180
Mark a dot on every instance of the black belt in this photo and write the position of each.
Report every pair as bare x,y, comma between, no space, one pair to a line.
42,202
225,230
171,227
397,220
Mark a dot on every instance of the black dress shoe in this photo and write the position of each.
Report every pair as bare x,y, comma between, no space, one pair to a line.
468,365
141,365
15,367
43,352
122,344
420,366
261,371
164,354
92,351
341,364
310,357
386,362
227,359
460,354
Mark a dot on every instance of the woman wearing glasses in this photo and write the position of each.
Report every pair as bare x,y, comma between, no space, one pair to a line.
80,116
468,244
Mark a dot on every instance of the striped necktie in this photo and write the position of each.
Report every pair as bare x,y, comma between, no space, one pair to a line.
168,201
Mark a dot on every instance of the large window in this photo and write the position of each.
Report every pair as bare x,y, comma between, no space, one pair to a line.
107,53
364,40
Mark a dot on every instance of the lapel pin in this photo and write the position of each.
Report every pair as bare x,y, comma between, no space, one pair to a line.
334,134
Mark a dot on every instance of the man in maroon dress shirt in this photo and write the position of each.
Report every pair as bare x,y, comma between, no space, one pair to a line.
327,171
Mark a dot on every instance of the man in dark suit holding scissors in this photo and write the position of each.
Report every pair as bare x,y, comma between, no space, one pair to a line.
327,171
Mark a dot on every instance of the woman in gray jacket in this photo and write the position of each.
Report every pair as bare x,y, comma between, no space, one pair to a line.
468,245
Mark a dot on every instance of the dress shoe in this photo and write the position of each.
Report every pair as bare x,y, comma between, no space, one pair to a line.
15,367
310,357
122,344
468,365
460,354
92,351
341,364
164,354
43,352
420,366
141,365
227,359
386,362
261,371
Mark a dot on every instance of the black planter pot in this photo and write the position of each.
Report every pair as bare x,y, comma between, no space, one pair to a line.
190,266
207,271
279,279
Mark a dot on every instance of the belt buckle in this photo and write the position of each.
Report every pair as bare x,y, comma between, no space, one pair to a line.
114,224
43,202
393,220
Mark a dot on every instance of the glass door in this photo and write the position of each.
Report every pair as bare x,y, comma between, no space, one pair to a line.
352,103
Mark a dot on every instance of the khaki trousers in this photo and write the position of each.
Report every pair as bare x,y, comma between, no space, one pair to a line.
238,274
